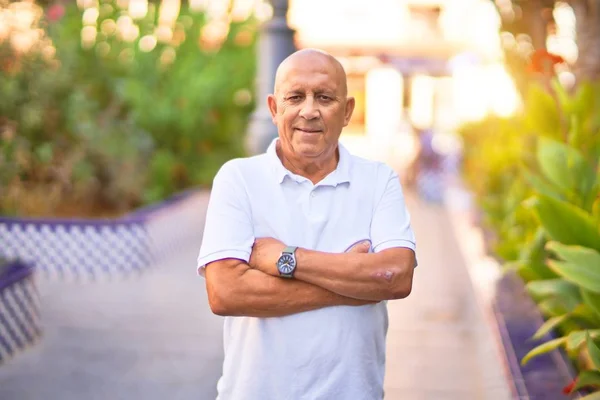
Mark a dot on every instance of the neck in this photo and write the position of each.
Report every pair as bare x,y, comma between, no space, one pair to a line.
314,169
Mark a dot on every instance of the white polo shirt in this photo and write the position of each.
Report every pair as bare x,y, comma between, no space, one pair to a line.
334,353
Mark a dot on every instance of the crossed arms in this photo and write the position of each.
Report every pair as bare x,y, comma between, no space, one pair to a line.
253,288
237,288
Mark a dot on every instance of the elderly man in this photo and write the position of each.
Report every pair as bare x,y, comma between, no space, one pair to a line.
302,247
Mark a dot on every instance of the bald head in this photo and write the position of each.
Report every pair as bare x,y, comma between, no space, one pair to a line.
311,57
310,107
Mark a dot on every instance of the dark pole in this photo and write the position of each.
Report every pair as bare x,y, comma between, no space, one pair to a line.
276,43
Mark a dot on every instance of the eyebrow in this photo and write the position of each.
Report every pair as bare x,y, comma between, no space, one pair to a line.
318,90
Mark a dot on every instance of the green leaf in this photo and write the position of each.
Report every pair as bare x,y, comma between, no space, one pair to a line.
567,223
596,208
594,351
575,131
544,348
553,307
553,287
533,255
542,186
530,272
592,300
552,160
539,269
567,103
577,338
565,167
513,266
586,316
541,116
581,265
587,378
549,325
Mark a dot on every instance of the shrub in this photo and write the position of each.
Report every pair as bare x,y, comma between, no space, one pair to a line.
537,179
95,122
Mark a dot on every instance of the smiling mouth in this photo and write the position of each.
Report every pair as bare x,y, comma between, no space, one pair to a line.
309,130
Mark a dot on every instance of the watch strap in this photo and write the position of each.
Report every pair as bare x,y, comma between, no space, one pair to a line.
290,249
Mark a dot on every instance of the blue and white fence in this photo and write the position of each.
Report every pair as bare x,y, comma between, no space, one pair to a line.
19,309
100,249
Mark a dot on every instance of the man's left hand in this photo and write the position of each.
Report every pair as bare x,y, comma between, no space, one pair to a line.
265,253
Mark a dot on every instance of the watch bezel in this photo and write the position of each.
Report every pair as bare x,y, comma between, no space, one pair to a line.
289,258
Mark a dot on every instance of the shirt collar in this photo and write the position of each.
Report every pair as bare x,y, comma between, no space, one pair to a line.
340,175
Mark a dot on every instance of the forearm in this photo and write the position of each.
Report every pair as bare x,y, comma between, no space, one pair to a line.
374,276
243,291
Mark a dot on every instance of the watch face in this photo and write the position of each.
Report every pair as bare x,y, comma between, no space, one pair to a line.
286,264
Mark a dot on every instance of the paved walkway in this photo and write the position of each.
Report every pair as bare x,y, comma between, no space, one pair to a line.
151,338
155,337
439,347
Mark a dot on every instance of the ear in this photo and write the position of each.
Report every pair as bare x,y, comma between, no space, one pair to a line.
350,103
272,104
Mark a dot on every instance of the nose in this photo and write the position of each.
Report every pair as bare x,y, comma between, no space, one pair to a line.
309,109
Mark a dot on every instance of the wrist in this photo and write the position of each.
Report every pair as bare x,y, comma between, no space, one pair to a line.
286,264
302,261
300,257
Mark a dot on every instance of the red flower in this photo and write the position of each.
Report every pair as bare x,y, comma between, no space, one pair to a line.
543,62
569,388
55,12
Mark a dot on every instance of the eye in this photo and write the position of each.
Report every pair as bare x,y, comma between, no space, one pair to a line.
324,98
293,98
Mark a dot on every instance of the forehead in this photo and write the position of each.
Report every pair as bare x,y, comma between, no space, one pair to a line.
313,76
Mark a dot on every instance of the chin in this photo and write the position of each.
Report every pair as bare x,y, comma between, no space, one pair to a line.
309,149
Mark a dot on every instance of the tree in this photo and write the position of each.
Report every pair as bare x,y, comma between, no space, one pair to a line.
533,17
587,16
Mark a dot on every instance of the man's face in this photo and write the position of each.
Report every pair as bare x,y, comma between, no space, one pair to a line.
310,107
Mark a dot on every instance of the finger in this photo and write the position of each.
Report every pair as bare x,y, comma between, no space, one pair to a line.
361,247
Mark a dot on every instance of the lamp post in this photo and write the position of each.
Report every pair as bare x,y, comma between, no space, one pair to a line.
276,42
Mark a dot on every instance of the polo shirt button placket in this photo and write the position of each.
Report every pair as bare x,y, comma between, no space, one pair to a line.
311,197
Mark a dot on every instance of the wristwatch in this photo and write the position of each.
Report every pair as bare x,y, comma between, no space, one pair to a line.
286,265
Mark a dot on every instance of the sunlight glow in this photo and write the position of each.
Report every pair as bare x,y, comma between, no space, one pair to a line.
138,8
482,90
384,88
422,95
563,41
503,99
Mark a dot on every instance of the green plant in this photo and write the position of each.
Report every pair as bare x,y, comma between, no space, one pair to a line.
538,181
95,121
493,153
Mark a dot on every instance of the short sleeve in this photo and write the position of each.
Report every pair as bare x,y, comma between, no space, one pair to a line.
228,231
390,226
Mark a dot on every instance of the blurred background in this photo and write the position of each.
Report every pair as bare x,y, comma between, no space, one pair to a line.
489,110
108,106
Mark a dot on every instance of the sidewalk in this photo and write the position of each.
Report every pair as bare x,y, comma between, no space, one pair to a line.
150,338
439,346
155,338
